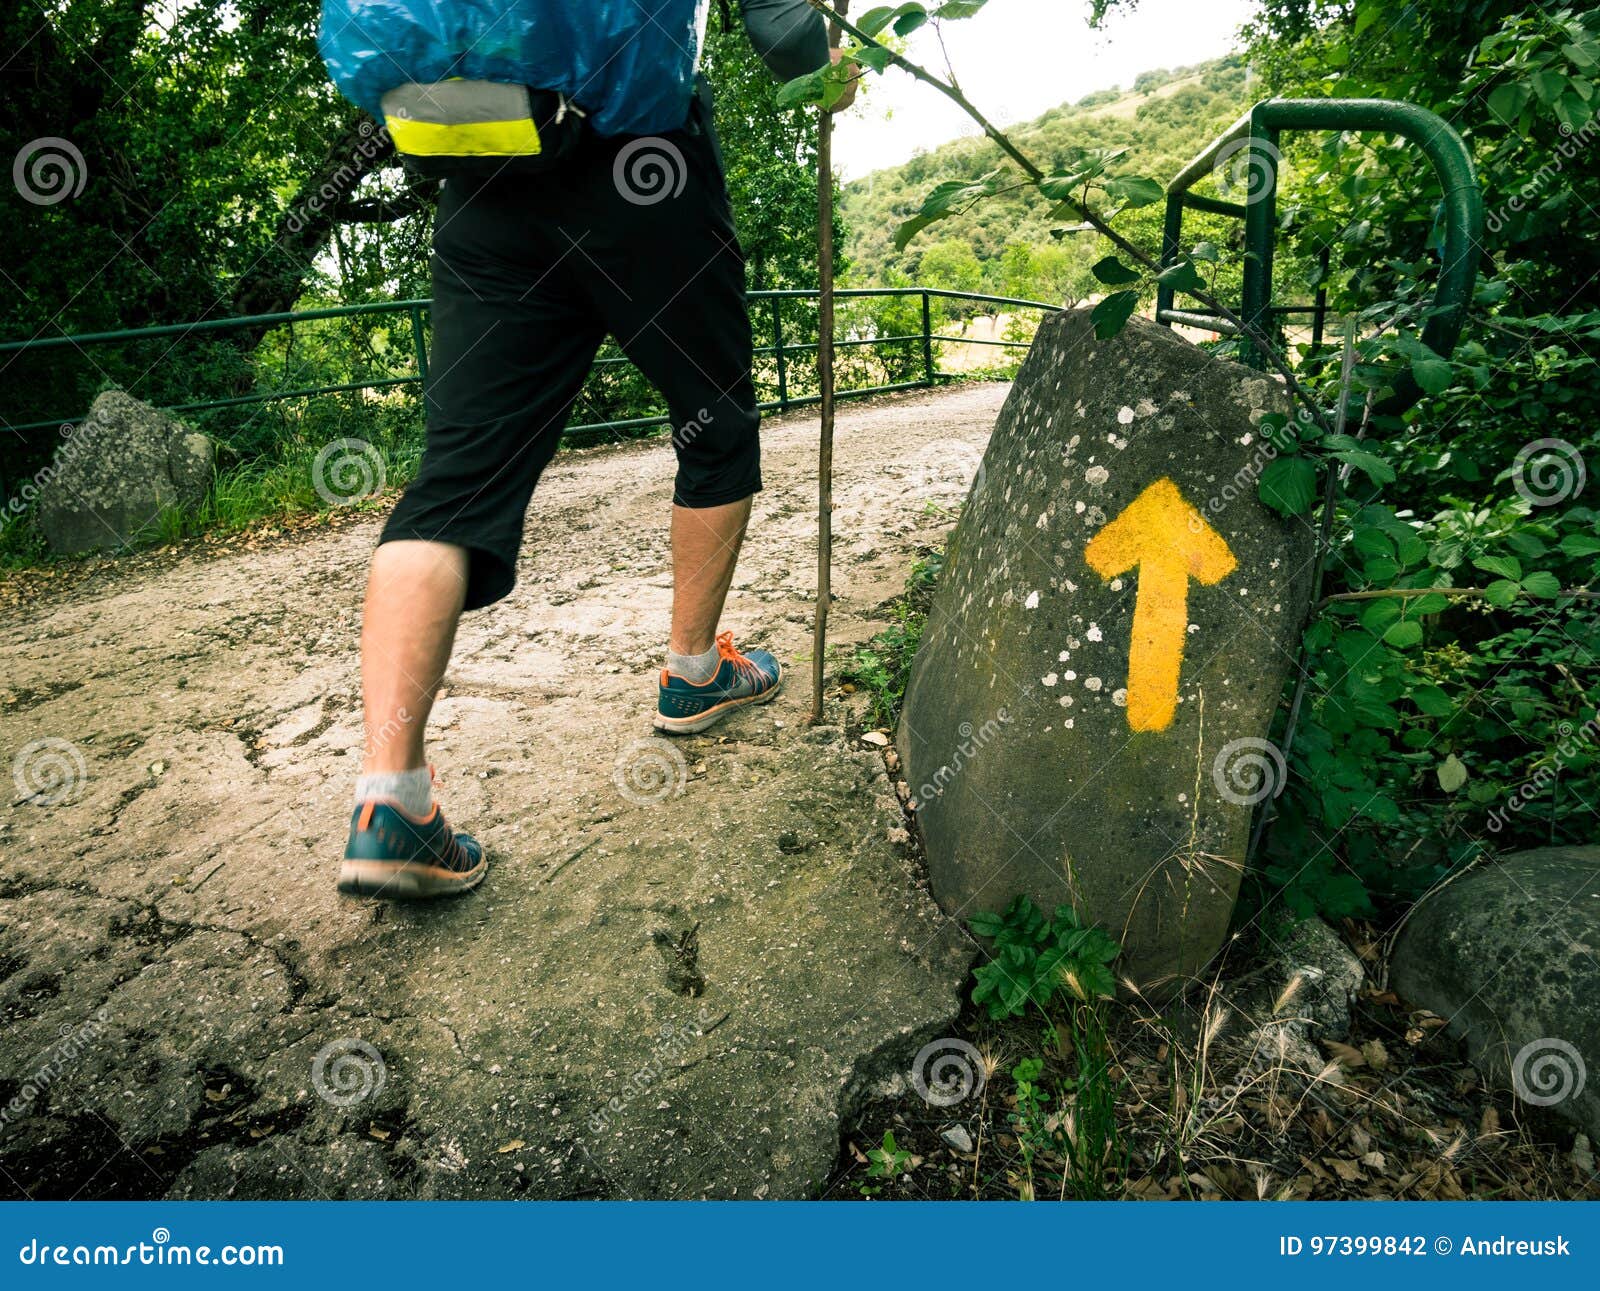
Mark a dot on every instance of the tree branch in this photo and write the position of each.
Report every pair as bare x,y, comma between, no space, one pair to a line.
1247,331
1401,593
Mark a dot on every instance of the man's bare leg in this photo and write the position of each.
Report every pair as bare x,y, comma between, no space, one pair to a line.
705,549
706,679
400,844
414,597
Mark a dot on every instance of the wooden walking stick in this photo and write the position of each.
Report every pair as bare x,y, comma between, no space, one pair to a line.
819,632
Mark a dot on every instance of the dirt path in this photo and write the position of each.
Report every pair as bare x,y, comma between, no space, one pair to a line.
689,956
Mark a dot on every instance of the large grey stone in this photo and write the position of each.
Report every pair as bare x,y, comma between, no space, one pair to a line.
1509,954
116,471
1036,763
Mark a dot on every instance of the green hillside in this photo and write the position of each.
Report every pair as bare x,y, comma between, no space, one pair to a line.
1004,245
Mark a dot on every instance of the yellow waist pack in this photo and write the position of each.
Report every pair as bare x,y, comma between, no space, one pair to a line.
475,129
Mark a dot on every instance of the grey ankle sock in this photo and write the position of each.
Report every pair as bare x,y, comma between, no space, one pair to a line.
696,668
412,790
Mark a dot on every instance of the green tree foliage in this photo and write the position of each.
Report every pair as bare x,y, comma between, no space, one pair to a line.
197,164
1164,123
1437,725
187,164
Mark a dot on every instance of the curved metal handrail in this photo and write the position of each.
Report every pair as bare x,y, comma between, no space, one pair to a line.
1257,132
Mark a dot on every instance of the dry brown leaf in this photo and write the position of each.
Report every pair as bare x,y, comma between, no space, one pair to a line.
510,1147
1348,1056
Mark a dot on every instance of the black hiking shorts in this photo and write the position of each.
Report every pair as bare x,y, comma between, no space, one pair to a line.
633,237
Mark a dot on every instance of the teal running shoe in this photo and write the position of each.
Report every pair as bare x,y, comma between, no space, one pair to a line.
392,854
683,707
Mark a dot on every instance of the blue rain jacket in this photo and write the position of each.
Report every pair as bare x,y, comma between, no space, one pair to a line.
630,64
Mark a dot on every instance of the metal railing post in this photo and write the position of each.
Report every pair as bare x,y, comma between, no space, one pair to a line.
927,340
777,349
417,342
1319,315
1171,231
1260,222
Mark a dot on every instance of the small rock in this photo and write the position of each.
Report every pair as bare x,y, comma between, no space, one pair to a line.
957,1137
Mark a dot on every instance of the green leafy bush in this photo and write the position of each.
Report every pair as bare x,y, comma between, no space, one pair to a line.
1035,959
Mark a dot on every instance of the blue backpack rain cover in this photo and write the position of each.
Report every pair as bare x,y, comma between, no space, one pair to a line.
630,64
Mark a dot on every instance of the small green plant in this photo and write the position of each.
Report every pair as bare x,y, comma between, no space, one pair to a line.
1037,1132
1035,959
882,666
887,1162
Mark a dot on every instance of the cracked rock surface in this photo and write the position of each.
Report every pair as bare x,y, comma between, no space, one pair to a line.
688,956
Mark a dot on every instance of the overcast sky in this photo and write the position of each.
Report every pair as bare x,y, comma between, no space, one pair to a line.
1019,57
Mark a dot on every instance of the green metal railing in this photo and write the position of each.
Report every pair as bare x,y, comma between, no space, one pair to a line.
416,310
1254,138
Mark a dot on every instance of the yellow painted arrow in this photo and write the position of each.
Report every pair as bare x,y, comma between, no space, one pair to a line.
1170,543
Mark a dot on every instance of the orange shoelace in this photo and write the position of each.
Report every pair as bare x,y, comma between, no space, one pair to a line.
744,664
